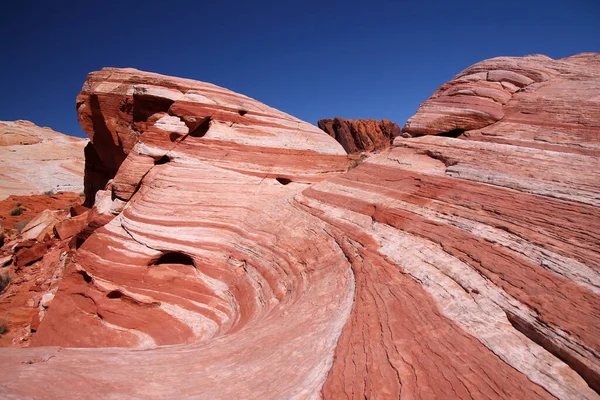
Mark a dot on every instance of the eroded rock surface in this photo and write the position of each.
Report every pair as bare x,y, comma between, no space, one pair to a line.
440,268
361,134
36,160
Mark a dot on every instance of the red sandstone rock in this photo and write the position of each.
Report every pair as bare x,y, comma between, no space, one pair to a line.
361,135
28,255
78,209
71,226
31,206
42,225
439,268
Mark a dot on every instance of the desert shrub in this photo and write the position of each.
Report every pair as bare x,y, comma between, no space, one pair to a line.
20,225
49,192
4,281
3,328
16,211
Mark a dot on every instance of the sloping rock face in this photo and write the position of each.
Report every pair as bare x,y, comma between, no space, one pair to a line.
440,268
361,134
36,160
531,101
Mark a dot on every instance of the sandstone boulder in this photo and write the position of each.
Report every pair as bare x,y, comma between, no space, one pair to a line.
42,225
27,255
71,226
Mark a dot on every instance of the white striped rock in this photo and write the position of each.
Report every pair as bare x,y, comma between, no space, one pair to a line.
35,160
244,255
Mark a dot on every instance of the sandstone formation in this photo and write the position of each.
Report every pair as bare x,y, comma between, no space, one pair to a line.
361,134
235,254
37,160
32,258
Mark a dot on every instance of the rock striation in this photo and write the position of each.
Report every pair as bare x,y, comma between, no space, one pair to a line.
361,134
35,160
240,253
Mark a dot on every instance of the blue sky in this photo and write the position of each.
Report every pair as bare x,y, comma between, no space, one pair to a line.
312,59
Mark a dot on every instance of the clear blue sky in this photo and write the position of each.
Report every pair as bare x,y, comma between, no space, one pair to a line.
312,59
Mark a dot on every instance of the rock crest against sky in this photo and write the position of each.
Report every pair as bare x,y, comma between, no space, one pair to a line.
243,254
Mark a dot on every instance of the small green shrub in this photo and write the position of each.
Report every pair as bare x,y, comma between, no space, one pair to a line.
4,281
3,328
49,192
16,211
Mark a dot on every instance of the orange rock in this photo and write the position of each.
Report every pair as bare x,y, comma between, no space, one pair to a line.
71,226
26,256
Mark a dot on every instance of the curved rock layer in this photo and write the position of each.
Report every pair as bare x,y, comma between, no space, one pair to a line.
239,268
35,160
531,101
361,134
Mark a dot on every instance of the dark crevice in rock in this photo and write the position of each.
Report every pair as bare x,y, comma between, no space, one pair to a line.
242,112
98,171
115,294
145,106
174,258
163,160
87,278
79,240
588,374
283,181
453,133
201,129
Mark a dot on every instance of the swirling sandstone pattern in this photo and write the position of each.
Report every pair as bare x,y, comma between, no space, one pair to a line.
243,260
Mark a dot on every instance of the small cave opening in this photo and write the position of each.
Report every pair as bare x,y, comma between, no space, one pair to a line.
114,294
163,160
455,133
283,181
242,111
85,276
174,258
144,106
201,129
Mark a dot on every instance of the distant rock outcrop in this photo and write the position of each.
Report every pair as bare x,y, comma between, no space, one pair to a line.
361,134
250,257
36,160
